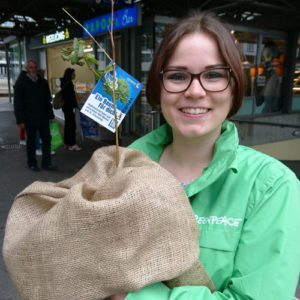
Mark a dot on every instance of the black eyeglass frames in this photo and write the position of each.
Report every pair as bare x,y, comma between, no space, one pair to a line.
212,80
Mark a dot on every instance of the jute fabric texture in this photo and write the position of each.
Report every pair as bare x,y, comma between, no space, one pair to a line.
103,231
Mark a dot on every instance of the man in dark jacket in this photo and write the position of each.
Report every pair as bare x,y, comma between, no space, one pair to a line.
33,110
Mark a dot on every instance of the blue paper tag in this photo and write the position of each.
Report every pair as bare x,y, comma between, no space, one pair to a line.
99,105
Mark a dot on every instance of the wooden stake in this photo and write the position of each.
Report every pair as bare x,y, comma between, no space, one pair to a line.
114,78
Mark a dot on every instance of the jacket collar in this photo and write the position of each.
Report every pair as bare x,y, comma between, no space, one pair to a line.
224,159
31,78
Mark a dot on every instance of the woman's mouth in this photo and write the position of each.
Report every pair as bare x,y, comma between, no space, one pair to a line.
194,110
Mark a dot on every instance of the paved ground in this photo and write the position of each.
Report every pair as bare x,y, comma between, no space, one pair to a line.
15,176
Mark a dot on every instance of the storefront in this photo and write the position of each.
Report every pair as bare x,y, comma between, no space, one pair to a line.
268,66
47,48
127,23
271,63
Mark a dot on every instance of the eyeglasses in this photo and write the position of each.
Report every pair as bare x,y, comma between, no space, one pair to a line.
211,80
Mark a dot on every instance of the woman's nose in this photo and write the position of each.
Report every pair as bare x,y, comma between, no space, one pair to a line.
195,89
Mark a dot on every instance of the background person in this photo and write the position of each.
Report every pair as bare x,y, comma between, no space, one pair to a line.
38,151
22,137
270,93
245,202
70,104
33,111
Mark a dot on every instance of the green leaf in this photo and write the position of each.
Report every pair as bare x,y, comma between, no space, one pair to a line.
76,45
66,51
64,57
80,50
91,59
99,74
80,63
109,68
81,42
74,58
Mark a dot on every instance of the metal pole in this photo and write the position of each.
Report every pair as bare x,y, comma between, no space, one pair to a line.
153,113
8,71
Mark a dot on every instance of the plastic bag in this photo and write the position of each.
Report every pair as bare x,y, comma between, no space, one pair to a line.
56,138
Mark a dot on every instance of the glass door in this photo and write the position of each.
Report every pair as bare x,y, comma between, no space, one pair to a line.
296,80
268,83
248,42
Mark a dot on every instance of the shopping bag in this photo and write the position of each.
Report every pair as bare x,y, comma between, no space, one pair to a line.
58,100
56,138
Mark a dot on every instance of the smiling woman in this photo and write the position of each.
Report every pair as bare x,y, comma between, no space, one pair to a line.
245,202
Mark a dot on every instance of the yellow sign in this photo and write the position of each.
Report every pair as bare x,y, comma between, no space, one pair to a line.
56,37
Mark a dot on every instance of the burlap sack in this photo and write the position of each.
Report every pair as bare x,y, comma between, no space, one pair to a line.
103,231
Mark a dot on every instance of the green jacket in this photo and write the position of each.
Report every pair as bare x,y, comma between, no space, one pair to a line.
247,205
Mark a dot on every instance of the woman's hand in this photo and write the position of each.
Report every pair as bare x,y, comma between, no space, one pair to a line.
118,297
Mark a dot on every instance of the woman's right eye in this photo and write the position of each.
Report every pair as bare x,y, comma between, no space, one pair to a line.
178,76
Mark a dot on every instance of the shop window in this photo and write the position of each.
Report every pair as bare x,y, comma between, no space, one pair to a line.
263,66
160,29
16,61
100,56
146,118
248,42
269,95
143,110
296,84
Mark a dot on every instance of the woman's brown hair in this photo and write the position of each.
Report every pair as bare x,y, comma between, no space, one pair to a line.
211,25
